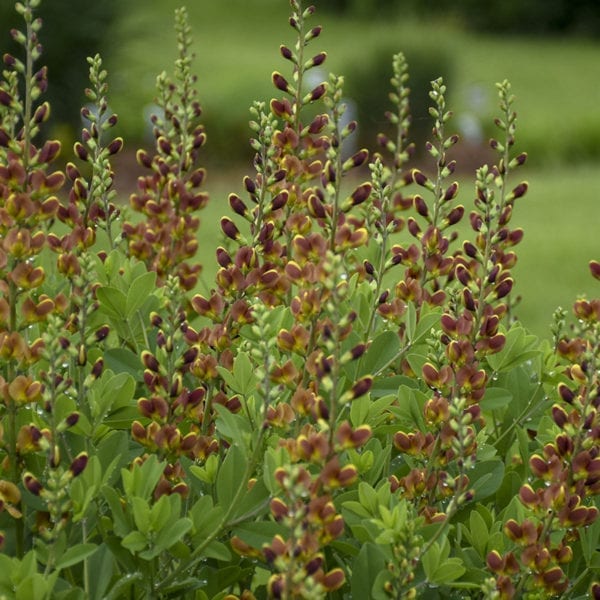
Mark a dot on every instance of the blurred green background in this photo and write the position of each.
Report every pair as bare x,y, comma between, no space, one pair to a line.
548,49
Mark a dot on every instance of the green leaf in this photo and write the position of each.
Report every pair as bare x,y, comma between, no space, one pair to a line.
382,456
359,409
450,570
76,554
218,551
409,409
169,536
253,502
35,586
85,487
367,565
229,476
416,359
121,523
121,360
243,375
411,320
495,399
486,478
256,534
122,418
134,542
368,498
426,323
141,287
142,479
102,564
383,350
113,302
205,516
479,532
232,426
589,537
141,514
439,568
164,507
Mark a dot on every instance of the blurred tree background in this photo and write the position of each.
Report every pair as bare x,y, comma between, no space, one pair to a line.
71,31
495,16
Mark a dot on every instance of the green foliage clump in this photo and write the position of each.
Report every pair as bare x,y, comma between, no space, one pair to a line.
351,409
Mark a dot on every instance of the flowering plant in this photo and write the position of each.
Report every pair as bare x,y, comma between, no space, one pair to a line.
352,410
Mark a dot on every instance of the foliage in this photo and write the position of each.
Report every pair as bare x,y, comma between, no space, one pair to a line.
351,410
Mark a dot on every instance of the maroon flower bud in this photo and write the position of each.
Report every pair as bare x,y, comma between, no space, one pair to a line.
32,484
223,257
80,151
79,464
504,288
281,108
102,332
518,160
150,361
451,192
237,205
316,208
314,32
280,200
72,419
361,193
494,561
115,146
413,227
358,351
42,112
318,59
5,98
419,178
514,237
97,368
421,206
250,185
356,160
468,300
520,190
470,249
455,215
143,159
280,82
286,53
316,93
369,268
361,387
9,60
229,228
164,145
463,274
595,269
278,176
